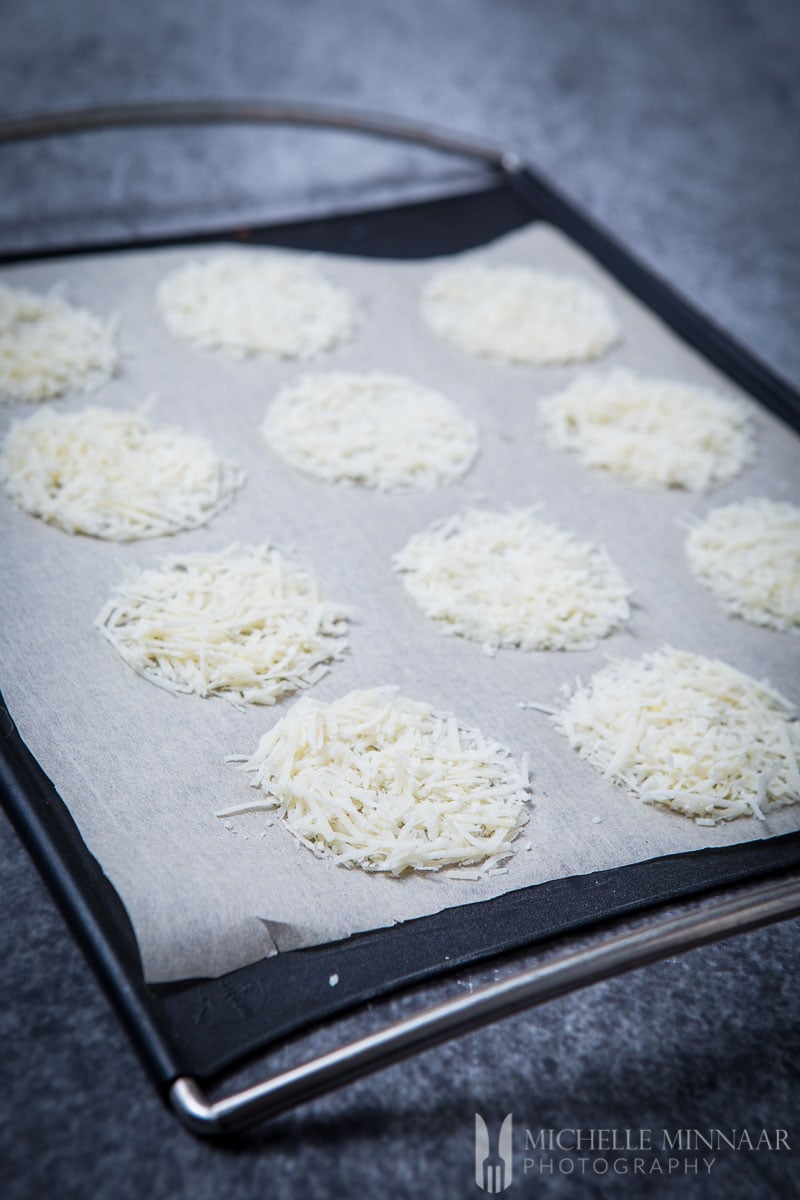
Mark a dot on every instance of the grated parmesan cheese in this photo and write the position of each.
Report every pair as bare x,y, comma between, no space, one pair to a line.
518,315
387,784
256,304
510,579
381,431
652,433
748,554
48,347
113,475
249,626
690,733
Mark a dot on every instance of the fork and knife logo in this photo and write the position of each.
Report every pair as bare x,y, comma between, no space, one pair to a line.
493,1167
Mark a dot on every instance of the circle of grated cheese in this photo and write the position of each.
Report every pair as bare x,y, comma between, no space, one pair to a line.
113,475
687,732
510,579
249,626
49,347
748,554
518,315
256,304
381,431
387,784
649,432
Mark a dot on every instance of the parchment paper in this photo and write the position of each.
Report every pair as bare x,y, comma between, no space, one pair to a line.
142,771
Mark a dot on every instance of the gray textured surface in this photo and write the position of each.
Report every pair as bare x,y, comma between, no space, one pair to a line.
676,125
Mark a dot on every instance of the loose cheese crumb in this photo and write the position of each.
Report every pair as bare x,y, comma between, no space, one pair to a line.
256,303
690,733
510,579
652,433
384,783
381,431
518,315
748,554
113,475
48,347
249,626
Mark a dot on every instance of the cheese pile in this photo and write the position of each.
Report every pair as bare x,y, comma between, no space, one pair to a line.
510,579
49,347
381,431
113,475
256,304
384,783
518,315
249,626
649,432
748,554
688,732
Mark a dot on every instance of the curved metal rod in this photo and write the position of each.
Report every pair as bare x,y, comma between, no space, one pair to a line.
210,112
750,908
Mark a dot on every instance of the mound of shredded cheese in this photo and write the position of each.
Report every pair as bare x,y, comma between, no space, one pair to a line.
249,625
653,433
256,303
48,347
113,475
690,733
384,783
381,431
748,554
510,579
518,315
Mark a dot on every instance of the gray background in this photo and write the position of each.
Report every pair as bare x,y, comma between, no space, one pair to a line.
676,125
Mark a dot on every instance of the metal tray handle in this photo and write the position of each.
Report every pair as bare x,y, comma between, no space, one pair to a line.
250,112
607,956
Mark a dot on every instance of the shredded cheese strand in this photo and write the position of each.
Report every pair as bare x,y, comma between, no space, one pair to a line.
380,431
690,733
249,626
748,555
49,347
510,579
519,315
387,784
256,303
649,432
113,475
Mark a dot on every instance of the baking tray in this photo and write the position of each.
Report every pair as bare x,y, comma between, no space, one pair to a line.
200,1028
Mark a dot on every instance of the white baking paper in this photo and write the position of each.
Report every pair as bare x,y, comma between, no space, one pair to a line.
143,771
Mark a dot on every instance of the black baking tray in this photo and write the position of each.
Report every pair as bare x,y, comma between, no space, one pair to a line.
203,1027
